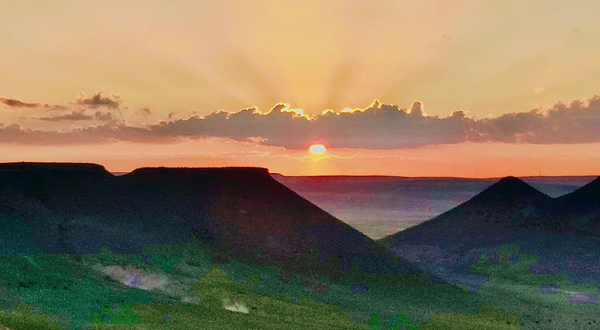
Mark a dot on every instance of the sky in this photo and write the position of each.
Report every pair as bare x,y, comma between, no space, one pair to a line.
406,87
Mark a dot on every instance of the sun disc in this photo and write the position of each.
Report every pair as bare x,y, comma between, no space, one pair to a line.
317,149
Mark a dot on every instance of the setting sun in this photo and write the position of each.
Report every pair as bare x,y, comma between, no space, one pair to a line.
317,149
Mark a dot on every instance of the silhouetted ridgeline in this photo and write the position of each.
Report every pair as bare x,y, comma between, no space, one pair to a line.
481,221
240,212
508,212
574,213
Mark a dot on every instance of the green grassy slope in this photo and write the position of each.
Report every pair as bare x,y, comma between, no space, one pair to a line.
517,290
178,287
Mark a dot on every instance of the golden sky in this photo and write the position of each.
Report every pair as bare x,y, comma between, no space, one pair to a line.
166,61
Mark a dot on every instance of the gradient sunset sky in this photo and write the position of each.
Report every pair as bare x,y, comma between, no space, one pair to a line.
416,88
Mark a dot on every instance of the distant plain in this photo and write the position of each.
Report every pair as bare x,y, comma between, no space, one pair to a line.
382,205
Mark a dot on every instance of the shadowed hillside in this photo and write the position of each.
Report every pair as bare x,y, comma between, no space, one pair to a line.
535,256
482,221
574,213
241,212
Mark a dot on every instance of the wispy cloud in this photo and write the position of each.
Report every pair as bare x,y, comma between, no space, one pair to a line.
81,115
75,115
14,103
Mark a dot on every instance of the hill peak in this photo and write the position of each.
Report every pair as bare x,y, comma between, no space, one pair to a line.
510,190
510,180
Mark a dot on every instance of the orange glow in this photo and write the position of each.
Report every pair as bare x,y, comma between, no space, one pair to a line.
482,160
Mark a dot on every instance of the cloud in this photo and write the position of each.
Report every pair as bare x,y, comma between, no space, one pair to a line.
111,101
81,115
99,100
104,116
75,115
577,122
14,103
379,126
105,133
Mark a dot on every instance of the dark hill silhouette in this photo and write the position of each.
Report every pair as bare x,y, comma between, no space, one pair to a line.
562,233
485,220
574,213
239,212
590,193
508,192
474,219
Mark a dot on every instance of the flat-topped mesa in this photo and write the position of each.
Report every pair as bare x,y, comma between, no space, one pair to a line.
178,173
239,212
39,174
41,167
198,170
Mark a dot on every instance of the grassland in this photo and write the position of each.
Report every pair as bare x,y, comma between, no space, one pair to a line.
179,287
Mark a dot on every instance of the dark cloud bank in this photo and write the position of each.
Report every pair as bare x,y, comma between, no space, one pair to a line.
100,100
379,126
14,103
19,104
